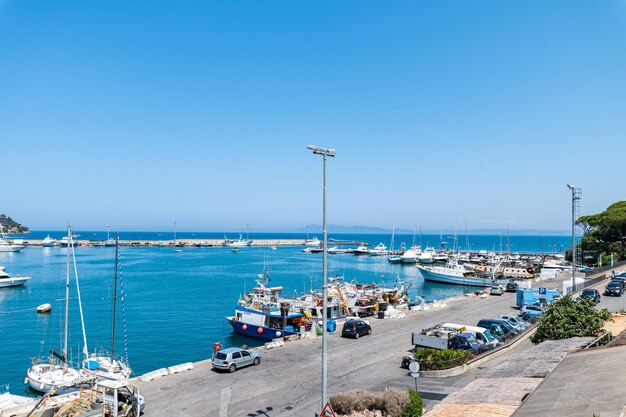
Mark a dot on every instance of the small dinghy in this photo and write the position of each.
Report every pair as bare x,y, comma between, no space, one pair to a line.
44,308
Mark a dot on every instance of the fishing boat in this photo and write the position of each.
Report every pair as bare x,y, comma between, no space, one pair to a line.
7,280
313,242
48,242
104,364
454,273
263,315
238,243
56,375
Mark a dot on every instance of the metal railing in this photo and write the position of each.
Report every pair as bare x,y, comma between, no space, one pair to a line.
604,339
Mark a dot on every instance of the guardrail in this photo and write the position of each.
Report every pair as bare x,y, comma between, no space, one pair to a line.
600,341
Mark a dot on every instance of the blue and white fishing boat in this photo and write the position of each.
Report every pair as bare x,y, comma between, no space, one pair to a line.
263,315
454,273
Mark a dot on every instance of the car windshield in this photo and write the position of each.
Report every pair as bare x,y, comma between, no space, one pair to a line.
490,337
471,339
614,284
220,355
588,293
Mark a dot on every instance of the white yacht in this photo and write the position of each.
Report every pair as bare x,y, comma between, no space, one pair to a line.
453,273
8,281
411,256
6,246
441,257
379,250
427,257
361,250
67,241
48,242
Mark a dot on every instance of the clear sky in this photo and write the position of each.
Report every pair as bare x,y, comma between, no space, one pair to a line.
138,114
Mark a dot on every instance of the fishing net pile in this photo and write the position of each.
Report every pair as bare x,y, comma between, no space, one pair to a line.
74,408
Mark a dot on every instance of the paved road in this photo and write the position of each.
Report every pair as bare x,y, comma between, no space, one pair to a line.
287,383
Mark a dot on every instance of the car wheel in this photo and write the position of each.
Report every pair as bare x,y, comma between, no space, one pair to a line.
356,335
232,368
256,361
369,331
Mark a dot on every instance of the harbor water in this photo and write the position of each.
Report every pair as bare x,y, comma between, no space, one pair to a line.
175,303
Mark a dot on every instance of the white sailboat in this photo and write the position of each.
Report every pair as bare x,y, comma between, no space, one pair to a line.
105,365
57,373
110,242
176,248
393,259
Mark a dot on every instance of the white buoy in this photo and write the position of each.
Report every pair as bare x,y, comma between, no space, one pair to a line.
44,308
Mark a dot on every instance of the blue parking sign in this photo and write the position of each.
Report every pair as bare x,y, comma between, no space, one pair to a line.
542,291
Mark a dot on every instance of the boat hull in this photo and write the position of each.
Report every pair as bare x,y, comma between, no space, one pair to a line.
13,282
454,279
252,330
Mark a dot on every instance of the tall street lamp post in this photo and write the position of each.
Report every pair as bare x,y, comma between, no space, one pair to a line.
325,154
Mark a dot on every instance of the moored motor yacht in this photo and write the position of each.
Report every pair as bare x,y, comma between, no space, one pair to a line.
379,250
7,280
48,242
427,257
411,256
361,250
6,246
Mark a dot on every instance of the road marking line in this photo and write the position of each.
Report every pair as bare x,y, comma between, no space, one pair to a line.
224,401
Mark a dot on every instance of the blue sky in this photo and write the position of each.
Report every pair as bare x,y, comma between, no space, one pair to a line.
139,114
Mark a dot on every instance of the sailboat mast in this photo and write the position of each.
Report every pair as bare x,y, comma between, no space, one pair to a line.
117,248
174,234
67,296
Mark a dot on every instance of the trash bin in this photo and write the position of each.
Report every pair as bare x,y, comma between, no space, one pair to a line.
331,325
382,306
381,314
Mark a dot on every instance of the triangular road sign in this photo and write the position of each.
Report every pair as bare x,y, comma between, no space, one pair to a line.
327,411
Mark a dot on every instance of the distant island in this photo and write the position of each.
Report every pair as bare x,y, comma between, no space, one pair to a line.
8,225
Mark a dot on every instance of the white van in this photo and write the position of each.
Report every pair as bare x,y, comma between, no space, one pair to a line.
482,335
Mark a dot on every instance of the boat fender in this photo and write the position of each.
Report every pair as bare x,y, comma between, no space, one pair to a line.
245,327
259,330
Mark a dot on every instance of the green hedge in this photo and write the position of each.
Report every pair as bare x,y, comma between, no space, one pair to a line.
437,360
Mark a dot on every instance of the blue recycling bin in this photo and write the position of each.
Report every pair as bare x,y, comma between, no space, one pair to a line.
331,325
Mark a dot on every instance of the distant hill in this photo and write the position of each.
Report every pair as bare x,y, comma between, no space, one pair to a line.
333,228
8,225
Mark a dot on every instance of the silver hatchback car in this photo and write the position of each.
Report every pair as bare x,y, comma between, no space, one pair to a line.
232,359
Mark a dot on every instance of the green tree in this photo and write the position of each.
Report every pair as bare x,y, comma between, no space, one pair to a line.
605,233
567,318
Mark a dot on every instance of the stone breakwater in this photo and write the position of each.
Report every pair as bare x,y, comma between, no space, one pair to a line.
186,242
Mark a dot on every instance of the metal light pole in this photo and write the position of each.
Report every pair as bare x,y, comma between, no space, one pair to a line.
575,198
325,153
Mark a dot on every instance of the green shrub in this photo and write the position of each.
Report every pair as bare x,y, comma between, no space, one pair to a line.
415,407
435,360
568,318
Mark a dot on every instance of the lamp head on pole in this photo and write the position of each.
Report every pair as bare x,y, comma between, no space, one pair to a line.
570,186
322,151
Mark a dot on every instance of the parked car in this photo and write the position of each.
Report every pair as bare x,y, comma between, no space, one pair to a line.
511,286
496,290
506,327
585,269
614,288
516,321
529,317
536,309
355,328
232,359
591,294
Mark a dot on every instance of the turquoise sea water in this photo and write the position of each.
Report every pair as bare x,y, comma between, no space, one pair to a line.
175,302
